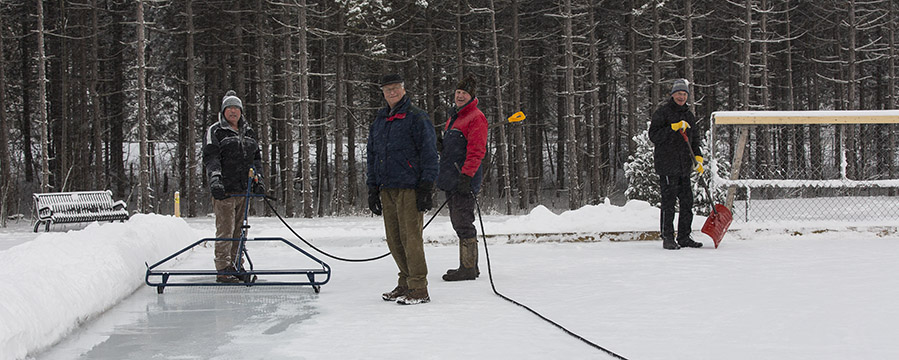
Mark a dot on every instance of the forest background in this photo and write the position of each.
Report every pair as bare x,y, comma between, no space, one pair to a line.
116,94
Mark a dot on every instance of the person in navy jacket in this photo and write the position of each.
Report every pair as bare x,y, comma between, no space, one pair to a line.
463,148
401,170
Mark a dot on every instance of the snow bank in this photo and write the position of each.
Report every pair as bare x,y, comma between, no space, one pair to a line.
634,216
57,281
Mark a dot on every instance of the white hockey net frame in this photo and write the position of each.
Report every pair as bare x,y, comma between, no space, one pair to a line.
807,165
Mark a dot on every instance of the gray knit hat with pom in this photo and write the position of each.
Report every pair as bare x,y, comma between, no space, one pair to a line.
231,99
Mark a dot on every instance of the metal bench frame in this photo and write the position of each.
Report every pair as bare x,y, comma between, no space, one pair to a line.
75,207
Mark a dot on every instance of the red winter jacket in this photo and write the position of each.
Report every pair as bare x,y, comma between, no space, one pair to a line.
468,151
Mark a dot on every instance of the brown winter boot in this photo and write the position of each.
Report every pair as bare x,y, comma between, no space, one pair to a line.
414,297
395,293
223,276
468,262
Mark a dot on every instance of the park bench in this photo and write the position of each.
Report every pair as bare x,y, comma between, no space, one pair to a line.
74,207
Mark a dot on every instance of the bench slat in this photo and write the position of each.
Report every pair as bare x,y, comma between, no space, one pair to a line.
82,206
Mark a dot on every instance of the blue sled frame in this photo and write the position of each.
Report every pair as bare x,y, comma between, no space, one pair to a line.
165,276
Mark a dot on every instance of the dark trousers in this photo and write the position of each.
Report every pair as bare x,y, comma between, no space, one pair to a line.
461,209
676,188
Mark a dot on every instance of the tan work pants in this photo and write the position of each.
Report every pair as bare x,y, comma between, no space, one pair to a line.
402,223
228,219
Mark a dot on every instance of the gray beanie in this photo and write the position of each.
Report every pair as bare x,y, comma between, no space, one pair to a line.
231,99
680,85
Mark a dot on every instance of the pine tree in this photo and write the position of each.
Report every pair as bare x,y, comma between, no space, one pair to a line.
642,180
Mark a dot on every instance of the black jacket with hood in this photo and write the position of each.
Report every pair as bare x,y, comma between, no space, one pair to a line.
231,153
672,154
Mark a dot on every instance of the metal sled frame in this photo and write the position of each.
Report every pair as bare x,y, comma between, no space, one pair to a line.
165,276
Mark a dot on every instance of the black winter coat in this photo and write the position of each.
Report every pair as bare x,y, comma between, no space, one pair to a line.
231,154
672,154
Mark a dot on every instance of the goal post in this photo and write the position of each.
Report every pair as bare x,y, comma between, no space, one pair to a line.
832,165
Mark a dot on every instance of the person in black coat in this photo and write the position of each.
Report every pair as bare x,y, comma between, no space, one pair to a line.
673,133
230,150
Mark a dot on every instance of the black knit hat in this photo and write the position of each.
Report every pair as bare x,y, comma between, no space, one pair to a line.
391,79
469,84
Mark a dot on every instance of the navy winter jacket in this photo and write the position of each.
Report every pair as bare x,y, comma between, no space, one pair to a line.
402,148
231,153
672,153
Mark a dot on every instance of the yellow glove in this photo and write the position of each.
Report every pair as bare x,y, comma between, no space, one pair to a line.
680,125
698,166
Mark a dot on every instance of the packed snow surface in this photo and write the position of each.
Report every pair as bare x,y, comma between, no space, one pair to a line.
801,290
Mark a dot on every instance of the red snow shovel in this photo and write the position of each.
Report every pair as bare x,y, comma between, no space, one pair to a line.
720,218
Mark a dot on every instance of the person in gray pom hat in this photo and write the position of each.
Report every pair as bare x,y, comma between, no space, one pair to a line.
230,150
671,124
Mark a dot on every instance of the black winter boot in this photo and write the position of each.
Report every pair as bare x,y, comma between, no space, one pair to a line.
669,243
688,242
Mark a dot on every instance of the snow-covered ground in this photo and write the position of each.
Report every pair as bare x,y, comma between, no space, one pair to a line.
803,290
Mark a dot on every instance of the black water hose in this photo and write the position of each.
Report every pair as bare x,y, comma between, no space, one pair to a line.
493,286
337,257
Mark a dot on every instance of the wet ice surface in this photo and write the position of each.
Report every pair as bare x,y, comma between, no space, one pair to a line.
189,322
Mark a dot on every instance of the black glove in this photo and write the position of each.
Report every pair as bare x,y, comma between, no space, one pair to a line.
217,188
423,196
374,200
464,184
258,187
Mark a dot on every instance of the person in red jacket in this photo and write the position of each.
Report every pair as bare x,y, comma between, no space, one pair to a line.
463,148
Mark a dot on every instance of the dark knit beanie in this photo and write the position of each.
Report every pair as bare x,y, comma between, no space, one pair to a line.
469,84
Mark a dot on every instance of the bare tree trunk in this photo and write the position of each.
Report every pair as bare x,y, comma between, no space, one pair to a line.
571,159
42,100
519,154
595,166
189,193
339,195
688,50
632,80
304,113
459,55
97,121
766,157
503,154
263,99
656,92
744,97
143,197
25,120
287,129
5,181
891,96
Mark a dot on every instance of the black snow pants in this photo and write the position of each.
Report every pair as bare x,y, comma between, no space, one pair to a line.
676,188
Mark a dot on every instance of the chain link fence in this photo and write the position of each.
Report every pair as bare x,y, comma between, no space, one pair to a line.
808,165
